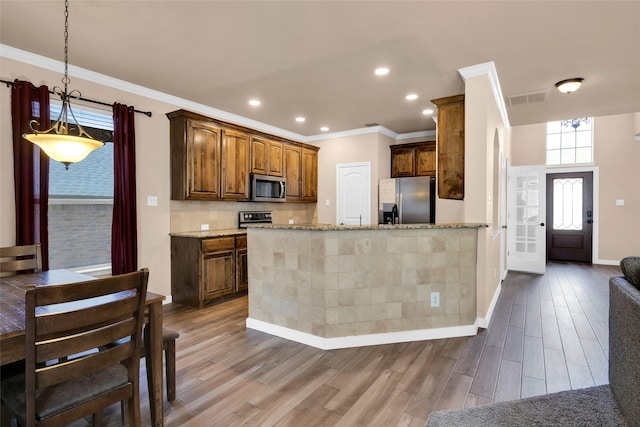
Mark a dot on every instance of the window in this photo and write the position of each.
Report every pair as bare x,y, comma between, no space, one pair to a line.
81,200
570,142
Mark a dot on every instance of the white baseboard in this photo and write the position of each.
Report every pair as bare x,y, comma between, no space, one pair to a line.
483,322
360,340
606,262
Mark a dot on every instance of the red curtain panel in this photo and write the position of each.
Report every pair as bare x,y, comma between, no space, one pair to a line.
124,240
30,166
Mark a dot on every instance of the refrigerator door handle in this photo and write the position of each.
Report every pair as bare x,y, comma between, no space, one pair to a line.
400,209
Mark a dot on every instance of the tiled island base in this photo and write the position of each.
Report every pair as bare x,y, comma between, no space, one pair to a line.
341,286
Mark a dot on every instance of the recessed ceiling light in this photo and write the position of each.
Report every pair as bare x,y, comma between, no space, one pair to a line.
324,128
411,97
382,71
300,119
254,102
427,112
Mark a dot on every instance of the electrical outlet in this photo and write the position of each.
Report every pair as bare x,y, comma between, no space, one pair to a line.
204,227
290,221
435,299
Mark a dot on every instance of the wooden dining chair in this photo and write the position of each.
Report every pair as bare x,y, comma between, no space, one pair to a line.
20,259
72,321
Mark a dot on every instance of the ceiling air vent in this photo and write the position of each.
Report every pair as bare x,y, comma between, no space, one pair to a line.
527,98
370,125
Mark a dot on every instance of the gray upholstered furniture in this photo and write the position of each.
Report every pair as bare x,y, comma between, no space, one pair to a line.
616,404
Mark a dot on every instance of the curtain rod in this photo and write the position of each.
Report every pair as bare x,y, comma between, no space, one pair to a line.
146,113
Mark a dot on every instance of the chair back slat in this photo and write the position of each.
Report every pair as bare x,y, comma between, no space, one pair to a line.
83,365
77,343
20,259
76,320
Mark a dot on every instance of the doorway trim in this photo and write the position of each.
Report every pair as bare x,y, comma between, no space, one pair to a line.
595,254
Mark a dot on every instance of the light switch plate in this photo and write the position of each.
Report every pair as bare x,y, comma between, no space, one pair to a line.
152,200
619,202
204,227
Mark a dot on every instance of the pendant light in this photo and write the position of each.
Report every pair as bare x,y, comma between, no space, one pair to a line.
57,141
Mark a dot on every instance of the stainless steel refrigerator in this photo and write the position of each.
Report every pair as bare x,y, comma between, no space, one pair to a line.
407,200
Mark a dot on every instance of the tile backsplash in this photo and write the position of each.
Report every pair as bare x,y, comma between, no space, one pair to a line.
189,215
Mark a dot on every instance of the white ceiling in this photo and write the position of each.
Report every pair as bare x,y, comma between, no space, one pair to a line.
316,58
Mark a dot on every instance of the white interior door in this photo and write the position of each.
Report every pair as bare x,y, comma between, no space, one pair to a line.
353,193
526,213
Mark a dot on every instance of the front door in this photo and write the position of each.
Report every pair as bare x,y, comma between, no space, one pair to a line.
525,219
353,193
570,216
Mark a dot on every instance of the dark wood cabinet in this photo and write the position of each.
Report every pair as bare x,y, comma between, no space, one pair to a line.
212,160
414,159
450,147
235,165
195,159
293,172
242,266
266,157
204,270
309,175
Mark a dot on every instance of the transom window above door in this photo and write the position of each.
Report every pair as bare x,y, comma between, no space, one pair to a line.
570,142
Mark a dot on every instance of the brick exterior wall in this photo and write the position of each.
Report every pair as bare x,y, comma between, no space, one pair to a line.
79,235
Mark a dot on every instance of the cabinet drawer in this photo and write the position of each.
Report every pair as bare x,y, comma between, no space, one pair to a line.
219,244
241,242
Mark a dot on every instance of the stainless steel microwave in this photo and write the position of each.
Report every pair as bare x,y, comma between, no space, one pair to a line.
268,188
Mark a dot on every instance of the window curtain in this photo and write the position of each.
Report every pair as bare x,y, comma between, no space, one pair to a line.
124,240
30,167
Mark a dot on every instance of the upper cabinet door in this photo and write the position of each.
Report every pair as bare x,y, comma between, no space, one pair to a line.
235,165
266,157
309,175
293,169
426,160
259,156
450,147
195,160
275,158
403,161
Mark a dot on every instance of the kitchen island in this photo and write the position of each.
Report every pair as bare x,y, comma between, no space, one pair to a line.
345,286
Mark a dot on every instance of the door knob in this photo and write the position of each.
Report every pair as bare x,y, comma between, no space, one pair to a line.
589,221
504,226
542,224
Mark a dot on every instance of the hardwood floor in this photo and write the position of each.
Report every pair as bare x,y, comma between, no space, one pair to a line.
548,333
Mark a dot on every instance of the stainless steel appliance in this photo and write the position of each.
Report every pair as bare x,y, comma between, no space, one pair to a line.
407,200
246,218
266,188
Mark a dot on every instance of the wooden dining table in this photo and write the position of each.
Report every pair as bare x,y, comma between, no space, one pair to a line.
12,326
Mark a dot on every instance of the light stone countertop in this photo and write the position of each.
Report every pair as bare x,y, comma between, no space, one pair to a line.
211,233
387,227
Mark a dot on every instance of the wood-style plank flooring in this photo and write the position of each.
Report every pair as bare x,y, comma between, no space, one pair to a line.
548,333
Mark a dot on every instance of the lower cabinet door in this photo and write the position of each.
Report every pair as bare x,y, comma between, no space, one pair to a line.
218,275
242,269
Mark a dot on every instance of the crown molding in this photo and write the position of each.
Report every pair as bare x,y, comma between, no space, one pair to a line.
488,69
40,61
421,134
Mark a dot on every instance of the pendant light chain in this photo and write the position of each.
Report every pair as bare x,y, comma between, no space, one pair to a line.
65,79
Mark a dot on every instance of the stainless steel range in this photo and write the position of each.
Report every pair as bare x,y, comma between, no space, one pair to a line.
253,217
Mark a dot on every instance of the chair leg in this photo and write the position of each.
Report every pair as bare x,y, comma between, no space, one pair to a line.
170,366
97,419
133,411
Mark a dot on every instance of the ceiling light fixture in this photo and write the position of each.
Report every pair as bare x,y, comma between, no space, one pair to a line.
254,102
300,119
382,71
411,97
569,85
56,141
324,129
427,112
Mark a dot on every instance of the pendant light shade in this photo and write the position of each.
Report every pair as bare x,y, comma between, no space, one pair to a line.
65,149
57,141
569,85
